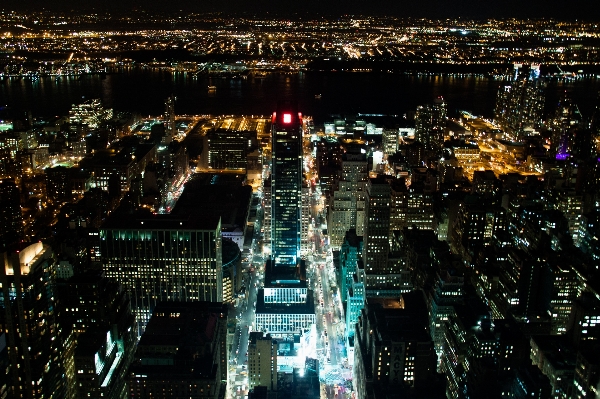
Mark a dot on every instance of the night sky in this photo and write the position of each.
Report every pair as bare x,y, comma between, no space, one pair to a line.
571,9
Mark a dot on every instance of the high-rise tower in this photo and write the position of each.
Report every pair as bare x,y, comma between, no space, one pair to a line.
430,123
286,185
284,307
27,317
520,104
11,225
170,128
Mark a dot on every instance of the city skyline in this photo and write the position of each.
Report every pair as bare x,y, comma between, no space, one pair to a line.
578,9
291,200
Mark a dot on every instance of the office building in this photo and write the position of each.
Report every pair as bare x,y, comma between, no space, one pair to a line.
11,219
262,361
349,258
411,207
393,349
567,119
285,307
587,372
63,183
163,258
170,124
472,323
584,324
182,353
520,105
115,168
90,113
286,186
390,141
266,204
475,225
226,149
348,208
355,302
448,291
95,314
377,232
556,359
27,316
430,125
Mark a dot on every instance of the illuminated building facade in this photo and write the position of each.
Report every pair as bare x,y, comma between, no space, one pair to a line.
410,207
227,149
27,316
97,312
448,291
90,113
305,243
262,361
115,168
348,210
520,105
285,307
390,141
182,353
565,123
476,224
377,233
266,203
286,185
349,257
58,187
11,219
393,350
170,126
100,365
355,302
163,258
430,124
471,324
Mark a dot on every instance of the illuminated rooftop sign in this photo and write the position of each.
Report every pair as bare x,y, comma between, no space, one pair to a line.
287,118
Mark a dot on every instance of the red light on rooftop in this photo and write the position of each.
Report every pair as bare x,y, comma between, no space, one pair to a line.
287,118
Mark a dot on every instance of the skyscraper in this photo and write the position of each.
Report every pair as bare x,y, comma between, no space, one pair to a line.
170,128
286,185
163,258
520,105
11,225
377,231
285,306
566,120
430,123
27,316
348,211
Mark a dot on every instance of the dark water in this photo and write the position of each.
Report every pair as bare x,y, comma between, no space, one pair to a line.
144,91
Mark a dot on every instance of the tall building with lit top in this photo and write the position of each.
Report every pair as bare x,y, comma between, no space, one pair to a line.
285,307
27,316
286,186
